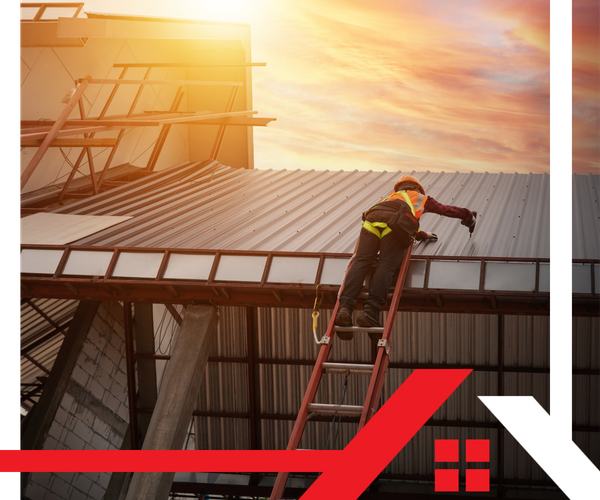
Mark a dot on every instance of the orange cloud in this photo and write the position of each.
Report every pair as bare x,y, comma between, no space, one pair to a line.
586,86
423,85
427,84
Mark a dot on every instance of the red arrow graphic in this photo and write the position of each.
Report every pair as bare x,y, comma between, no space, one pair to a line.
396,422
346,475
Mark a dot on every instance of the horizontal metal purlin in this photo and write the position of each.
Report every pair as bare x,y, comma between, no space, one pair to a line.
346,418
244,294
399,366
256,491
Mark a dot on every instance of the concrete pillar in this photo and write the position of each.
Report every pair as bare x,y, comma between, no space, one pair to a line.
175,404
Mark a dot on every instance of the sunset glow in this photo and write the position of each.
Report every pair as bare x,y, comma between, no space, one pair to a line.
403,85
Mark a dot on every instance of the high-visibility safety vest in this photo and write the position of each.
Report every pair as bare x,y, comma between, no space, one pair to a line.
414,199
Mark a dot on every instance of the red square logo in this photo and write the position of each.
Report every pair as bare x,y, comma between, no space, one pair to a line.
446,450
477,480
478,450
446,479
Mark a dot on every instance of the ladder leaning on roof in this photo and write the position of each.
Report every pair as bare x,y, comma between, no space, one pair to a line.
377,371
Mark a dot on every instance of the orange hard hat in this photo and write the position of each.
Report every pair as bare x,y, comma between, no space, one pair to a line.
411,180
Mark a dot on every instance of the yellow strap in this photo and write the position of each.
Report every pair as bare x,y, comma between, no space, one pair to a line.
372,227
315,316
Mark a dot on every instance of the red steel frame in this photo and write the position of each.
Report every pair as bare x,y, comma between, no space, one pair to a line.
266,294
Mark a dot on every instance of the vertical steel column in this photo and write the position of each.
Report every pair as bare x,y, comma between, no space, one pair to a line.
500,444
131,387
253,381
147,392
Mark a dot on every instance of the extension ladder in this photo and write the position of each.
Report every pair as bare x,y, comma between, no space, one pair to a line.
377,372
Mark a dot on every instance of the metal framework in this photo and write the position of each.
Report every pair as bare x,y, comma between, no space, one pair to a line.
157,289
43,135
57,283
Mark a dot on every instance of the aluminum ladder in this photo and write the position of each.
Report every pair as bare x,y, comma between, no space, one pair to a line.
377,372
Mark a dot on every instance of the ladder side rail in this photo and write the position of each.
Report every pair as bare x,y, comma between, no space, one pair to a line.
311,391
383,358
309,395
317,372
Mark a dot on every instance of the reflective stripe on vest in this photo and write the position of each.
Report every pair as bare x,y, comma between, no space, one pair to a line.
416,206
408,202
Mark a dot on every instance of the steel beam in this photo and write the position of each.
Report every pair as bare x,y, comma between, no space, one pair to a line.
146,368
131,384
45,144
253,379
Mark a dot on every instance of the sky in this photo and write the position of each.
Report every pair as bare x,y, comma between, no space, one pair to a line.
404,85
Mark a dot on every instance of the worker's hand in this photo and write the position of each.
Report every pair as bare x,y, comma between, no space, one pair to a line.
471,225
431,237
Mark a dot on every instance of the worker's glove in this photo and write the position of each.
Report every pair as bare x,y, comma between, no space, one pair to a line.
470,225
431,237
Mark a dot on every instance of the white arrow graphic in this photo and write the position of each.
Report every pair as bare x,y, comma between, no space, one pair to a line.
548,438
546,442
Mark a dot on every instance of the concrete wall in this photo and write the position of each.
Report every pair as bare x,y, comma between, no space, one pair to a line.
93,412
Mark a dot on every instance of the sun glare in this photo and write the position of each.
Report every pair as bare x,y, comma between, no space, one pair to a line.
234,11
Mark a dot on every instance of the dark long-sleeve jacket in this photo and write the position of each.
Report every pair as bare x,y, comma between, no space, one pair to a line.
436,207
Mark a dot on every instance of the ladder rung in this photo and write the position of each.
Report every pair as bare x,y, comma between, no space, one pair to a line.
365,295
375,329
340,410
354,368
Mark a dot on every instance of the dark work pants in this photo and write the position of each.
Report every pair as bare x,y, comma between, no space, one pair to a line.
391,249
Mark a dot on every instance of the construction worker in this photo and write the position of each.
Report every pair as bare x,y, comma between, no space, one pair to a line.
388,228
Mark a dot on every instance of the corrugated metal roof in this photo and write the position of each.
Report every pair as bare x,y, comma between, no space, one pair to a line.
207,205
586,217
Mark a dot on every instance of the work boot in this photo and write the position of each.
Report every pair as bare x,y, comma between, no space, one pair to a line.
344,318
370,318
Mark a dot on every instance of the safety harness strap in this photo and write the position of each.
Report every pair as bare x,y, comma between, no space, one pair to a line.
384,229
373,228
